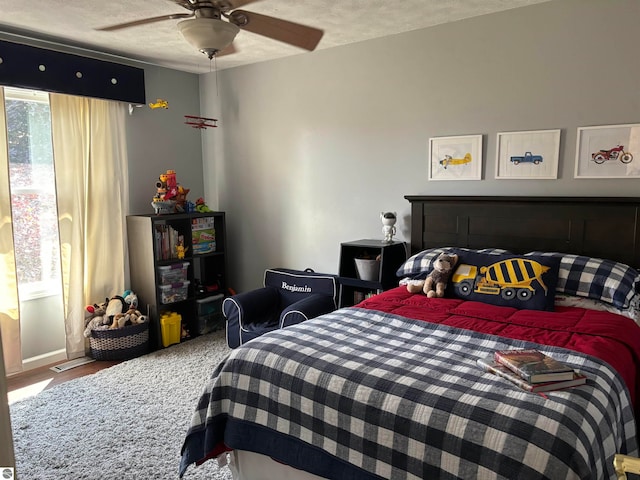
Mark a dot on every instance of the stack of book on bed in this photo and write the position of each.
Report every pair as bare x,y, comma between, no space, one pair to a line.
532,370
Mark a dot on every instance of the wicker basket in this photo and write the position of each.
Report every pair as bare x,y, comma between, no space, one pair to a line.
120,343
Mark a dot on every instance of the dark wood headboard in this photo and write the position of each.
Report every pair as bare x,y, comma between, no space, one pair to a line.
592,226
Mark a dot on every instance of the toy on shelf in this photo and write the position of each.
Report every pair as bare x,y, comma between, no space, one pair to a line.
162,206
181,199
170,195
181,250
201,206
184,332
170,184
388,226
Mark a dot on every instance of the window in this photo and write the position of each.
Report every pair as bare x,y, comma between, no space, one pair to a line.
33,198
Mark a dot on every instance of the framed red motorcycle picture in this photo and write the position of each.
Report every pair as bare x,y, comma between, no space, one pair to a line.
608,151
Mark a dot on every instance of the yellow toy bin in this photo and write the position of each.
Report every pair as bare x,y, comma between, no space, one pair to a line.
171,327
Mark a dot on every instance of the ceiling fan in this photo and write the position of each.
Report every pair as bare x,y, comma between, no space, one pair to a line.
205,29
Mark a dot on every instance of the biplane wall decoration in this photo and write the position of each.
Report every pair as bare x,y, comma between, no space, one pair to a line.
200,122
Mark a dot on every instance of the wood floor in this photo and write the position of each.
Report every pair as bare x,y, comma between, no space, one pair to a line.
28,383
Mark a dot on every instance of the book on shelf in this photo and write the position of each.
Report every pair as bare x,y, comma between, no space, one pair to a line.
203,235
489,364
166,238
534,366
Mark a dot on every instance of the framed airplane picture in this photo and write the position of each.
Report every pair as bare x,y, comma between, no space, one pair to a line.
455,158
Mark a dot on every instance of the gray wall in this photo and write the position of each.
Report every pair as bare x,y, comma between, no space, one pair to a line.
312,147
158,140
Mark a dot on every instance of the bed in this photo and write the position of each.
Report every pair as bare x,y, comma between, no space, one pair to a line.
391,388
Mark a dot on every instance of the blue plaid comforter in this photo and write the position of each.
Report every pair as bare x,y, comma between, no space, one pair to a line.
359,394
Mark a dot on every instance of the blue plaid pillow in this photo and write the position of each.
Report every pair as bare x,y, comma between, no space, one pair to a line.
604,280
422,263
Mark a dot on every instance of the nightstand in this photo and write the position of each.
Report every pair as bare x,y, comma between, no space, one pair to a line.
352,288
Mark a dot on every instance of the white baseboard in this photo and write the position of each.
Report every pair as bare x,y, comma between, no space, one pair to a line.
44,359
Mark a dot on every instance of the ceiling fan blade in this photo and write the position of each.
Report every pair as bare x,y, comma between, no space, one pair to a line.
278,29
145,21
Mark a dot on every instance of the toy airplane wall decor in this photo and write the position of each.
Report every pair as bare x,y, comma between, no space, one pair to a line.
200,122
159,103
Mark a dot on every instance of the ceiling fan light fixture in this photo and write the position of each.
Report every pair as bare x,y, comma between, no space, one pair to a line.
209,35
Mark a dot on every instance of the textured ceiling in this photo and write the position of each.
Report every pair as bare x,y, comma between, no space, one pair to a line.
73,23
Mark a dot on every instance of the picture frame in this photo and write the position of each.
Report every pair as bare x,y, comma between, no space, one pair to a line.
528,155
608,151
455,158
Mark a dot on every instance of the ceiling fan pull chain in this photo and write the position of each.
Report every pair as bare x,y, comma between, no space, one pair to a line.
215,67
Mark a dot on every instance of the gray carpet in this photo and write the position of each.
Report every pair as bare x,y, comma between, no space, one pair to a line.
124,422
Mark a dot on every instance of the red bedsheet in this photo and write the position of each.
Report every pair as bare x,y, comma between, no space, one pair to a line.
612,338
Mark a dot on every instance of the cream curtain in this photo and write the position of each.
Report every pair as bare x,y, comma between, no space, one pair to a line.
89,146
9,311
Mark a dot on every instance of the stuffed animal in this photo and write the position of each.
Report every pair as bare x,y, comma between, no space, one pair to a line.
128,314
201,206
115,305
436,282
130,298
130,317
95,316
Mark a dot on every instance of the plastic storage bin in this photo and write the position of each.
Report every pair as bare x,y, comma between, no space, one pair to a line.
176,272
171,327
210,316
176,292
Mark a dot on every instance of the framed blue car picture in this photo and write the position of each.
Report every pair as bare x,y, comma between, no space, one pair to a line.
531,155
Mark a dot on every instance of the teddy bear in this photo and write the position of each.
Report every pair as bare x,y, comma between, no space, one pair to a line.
436,282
